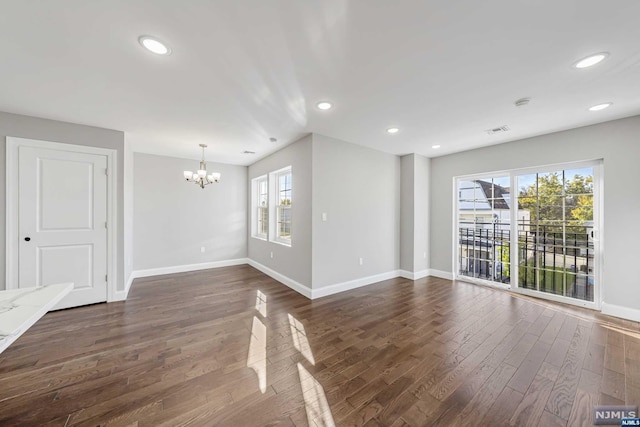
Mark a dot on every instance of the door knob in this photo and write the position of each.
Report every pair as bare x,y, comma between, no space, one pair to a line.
26,239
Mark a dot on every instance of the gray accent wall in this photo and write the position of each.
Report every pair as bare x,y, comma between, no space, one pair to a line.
292,261
407,213
414,211
616,142
128,210
174,219
68,133
359,190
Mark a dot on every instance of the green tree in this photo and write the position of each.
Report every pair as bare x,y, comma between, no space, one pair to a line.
546,198
580,199
543,199
583,211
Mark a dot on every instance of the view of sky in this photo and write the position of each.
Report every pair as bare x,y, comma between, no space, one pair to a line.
527,180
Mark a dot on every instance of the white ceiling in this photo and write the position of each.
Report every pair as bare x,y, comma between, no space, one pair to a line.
242,71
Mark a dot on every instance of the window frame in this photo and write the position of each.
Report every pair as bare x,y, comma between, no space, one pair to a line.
255,207
276,206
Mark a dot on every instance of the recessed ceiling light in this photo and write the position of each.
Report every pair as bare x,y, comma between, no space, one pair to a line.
600,106
154,45
324,105
435,147
591,60
393,130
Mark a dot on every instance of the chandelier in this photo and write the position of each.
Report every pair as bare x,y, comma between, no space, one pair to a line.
200,177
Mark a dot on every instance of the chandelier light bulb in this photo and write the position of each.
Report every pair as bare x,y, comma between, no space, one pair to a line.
201,177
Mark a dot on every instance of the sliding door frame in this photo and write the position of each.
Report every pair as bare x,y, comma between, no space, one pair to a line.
456,228
598,230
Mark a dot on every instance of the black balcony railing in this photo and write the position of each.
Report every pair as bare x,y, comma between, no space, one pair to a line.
553,257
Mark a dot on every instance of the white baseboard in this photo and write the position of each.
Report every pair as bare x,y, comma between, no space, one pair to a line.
413,275
122,295
441,274
296,286
620,311
352,284
188,267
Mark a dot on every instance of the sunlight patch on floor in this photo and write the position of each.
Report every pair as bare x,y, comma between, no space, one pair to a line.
315,400
257,357
261,303
300,341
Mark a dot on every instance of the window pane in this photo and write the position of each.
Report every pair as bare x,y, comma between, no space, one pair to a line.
283,220
284,189
260,211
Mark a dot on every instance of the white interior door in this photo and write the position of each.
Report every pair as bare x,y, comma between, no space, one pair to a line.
62,217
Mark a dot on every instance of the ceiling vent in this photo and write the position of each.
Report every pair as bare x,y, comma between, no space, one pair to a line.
500,129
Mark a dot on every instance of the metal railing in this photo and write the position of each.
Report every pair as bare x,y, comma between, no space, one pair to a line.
554,257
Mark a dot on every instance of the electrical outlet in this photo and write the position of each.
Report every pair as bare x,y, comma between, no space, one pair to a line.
324,216
272,254
361,261
202,249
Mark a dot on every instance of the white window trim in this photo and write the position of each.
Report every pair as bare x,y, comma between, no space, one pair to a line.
255,200
274,178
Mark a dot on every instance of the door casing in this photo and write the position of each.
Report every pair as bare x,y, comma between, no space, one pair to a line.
12,203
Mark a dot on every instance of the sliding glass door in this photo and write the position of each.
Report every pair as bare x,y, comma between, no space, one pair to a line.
484,228
541,239
557,232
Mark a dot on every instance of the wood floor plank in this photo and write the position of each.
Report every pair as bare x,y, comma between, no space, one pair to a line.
531,408
632,370
233,347
563,394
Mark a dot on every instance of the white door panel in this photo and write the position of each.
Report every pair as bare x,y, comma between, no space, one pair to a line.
62,217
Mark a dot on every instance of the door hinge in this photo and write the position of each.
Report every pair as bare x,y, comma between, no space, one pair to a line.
106,171
106,277
106,224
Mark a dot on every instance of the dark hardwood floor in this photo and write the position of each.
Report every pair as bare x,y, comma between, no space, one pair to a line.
232,347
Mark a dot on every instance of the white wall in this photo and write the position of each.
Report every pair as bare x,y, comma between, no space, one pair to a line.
173,219
69,133
617,142
359,190
293,262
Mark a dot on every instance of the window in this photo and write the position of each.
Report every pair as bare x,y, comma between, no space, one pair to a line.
260,220
271,200
283,190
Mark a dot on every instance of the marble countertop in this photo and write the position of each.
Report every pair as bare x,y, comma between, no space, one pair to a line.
21,308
